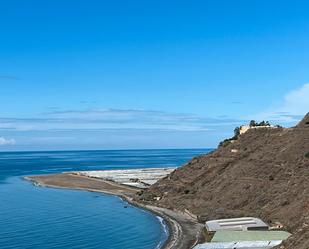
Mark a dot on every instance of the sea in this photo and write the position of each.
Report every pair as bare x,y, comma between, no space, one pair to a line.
48,218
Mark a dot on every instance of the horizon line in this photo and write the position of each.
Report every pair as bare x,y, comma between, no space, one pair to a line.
81,150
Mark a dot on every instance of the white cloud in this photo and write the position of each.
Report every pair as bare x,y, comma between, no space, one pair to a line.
291,109
4,141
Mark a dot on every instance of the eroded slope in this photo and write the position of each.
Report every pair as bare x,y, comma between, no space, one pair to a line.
265,173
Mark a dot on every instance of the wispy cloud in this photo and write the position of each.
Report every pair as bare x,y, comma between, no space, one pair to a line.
5,141
8,77
291,109
114,128
115,119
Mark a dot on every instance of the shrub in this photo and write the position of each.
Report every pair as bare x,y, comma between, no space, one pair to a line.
225,142
307,155
236,132
187,191
253,123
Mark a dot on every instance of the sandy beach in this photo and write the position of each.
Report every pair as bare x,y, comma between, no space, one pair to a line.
184,231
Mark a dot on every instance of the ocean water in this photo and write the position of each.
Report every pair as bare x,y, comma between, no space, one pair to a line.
38,217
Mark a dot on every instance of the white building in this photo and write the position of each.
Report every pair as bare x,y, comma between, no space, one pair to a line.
236,224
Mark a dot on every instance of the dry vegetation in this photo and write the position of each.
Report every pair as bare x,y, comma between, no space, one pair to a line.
264,173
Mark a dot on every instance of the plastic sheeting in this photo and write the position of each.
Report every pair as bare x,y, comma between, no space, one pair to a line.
240,245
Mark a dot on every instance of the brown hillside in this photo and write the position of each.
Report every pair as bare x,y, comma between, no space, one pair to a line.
265,173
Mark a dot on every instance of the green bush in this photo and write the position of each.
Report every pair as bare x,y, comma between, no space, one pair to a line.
225,142
236,132
253,123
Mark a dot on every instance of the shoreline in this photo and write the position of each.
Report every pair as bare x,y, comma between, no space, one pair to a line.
183,231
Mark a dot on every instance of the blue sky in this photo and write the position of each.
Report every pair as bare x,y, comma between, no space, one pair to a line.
148,74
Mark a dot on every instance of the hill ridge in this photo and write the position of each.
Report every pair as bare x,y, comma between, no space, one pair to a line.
264,173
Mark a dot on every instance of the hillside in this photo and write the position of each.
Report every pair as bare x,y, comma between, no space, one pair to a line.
264,173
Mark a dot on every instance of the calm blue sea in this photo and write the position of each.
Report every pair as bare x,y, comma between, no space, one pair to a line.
37,217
